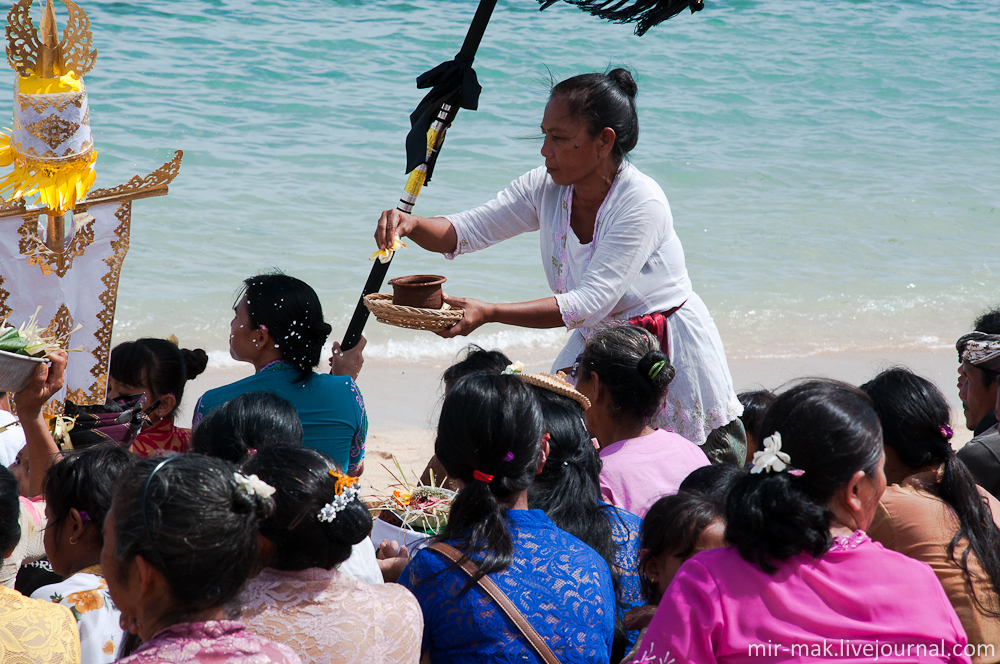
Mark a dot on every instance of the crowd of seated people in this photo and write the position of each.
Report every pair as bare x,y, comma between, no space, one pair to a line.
577,532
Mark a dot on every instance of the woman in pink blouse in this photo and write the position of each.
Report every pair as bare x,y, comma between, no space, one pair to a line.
179,543
802,581
626,376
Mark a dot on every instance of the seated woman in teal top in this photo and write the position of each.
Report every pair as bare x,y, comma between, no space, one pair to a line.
279,328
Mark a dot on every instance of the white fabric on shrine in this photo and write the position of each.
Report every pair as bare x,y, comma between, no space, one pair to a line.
633,266
51,125
78,285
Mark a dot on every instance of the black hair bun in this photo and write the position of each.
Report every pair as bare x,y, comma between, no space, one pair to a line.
622,78
647,368
353,524
195,362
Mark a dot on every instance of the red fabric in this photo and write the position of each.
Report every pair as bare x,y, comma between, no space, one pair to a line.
657,324
162,437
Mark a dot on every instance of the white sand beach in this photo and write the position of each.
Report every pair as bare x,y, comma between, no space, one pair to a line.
403,398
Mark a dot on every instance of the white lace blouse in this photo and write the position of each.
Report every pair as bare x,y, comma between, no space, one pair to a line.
325,616
633,266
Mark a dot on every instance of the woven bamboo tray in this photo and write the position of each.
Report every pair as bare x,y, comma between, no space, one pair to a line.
412,318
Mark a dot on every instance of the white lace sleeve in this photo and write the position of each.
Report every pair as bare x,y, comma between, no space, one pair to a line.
511,213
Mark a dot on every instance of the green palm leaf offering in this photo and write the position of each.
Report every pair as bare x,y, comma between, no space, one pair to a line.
31,339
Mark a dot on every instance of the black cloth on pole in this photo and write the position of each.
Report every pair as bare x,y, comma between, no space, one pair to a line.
443,80
644,13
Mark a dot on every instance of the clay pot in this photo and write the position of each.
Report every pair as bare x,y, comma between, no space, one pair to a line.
422,291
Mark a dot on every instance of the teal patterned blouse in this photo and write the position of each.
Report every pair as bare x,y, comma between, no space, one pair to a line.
331,408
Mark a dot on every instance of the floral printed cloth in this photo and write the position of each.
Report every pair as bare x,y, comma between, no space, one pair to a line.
161,438
86,595
327,617
35,632
211,642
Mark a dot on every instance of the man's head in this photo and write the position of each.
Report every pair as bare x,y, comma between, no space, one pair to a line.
979,358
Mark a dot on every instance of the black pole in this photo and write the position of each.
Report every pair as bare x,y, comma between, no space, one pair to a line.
379,270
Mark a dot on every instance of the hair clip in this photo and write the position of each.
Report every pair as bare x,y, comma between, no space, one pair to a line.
84,516
481,476
655,370
508,457
345,491
947,432
771,458
514,368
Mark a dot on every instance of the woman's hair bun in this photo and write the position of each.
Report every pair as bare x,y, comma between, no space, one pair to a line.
195,362
246,502
622,78
353,524
651,369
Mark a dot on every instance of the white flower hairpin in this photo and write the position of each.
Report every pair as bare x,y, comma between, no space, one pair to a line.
771,458
514,368
345,490
254,485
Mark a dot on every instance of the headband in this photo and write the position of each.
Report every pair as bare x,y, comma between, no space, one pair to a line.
980,349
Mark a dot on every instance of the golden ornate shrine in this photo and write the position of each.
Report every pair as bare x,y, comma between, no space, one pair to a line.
67,263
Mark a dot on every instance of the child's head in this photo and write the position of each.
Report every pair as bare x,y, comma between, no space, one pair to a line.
476,360
156,368
755,404
249,422
675,528
78,492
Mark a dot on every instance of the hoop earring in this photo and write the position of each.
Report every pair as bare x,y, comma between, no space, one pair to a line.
73,540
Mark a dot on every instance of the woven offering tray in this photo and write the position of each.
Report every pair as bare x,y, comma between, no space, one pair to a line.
410,317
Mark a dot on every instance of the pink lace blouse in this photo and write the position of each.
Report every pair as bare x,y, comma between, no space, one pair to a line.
325,616
212,642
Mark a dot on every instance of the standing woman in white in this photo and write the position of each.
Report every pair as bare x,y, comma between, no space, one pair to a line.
609,251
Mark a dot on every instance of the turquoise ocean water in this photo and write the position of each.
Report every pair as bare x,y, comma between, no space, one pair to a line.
833,166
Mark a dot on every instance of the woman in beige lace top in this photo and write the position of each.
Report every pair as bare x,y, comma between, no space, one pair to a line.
300,599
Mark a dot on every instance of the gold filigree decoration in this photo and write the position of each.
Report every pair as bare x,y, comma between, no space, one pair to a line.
59,101
23,46
86,118
109,298
53,408
162,176
79,56
27,52
15,205
5,311
61,324
48,261
53,130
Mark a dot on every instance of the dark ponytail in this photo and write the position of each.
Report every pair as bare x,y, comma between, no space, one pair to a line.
604,100
915,423
290,310
304,485
568,489
631,367
829,431
491,425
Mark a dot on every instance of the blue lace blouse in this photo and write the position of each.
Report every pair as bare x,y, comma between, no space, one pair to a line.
626,529
560,585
